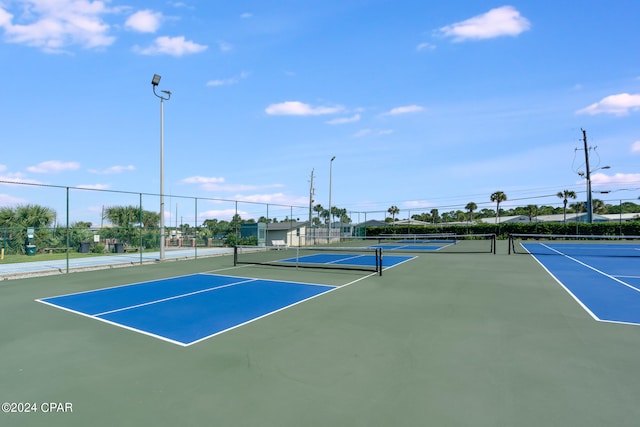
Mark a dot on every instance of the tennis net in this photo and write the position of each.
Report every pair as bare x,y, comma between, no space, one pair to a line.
430,243
343,258
574,245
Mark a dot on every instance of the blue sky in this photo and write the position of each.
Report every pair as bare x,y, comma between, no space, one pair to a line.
424,104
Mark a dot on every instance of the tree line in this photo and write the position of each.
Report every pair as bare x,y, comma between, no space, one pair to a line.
471,212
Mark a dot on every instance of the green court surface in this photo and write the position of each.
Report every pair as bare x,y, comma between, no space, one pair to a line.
447,340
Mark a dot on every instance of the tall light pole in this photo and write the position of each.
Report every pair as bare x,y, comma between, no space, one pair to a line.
330,184
167,95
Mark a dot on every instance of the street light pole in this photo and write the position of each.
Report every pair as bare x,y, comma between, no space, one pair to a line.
167,95
330,184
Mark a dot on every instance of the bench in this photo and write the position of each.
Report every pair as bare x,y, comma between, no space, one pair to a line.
132,249
278,243
52,250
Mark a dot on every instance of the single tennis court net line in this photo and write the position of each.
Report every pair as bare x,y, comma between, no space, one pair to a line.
429,243
342,258
418,238
575,245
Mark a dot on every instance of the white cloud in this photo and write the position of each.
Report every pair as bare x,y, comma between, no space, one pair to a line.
635,147
218,184
174,46
274,198
416,204
425,46
7,200
221,214
404,110
295,108
343,120
144,21
54,25
230,81
54,166
246,15
17,178
619,179
224,46
94,186
372,132
237,187
619,105
203,180
498,22
112,170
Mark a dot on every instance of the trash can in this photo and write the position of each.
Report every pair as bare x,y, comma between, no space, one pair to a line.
84,248
119,248
31,250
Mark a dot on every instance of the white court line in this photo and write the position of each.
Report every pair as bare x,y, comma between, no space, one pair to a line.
174,297
347,259
241,280
592,268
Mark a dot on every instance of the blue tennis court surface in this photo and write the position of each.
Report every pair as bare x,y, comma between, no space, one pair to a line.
415,245
188,309
352,259
411,247
600,277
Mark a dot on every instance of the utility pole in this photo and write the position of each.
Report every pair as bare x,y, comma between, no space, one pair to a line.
588,175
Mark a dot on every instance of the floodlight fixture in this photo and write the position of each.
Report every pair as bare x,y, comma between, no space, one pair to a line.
156,80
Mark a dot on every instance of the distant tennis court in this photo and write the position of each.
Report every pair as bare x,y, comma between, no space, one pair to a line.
601,272
342,258
430,243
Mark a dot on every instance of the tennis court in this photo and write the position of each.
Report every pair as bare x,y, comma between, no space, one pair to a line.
188,309
458,339
347,258
601,273
430,243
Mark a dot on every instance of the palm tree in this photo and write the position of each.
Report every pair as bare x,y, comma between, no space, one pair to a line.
498,197
324,215
565,196
34,216
599,206
7,218
532,210
471,207
434,215
123,216
393,210
150,219
319,210
335,212
344,217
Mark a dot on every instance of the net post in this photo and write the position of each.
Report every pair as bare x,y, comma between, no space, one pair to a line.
379,260
510,242
235,256
494,243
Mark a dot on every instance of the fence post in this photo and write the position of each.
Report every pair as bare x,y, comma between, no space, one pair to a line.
68,232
